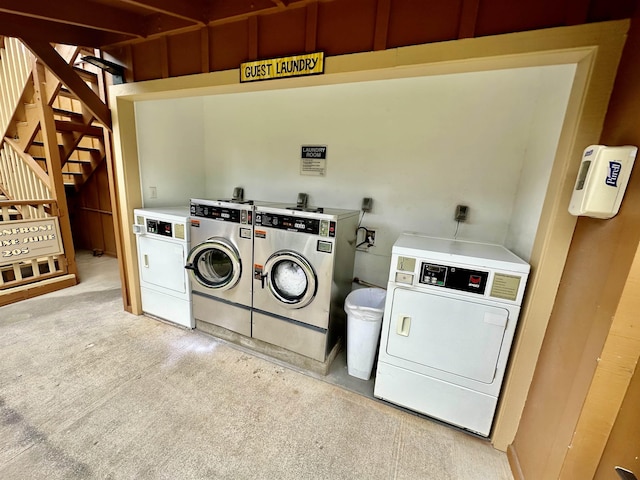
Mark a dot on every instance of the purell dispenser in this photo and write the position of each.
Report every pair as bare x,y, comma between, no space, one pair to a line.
602,180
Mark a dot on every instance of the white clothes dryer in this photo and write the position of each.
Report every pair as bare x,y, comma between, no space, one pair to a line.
450,317
163,244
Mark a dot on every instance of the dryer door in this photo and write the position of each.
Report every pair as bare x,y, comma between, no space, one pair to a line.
446,334
291,279
215,264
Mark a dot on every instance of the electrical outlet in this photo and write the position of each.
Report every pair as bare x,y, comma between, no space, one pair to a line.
367,204
461,213
371,238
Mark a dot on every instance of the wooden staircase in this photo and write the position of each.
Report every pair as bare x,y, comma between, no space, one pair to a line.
79,137
51,146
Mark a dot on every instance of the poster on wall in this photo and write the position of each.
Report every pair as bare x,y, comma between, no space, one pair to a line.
313,160
28,239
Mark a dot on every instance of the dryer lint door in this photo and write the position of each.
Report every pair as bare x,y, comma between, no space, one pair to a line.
459,338
215,264
290,278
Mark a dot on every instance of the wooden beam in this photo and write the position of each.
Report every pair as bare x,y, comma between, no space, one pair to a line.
194,10
78,13
253,38
311,34
468,18
45,30
204,50
89,130
54,164
382,25
31,203
54,62
164,56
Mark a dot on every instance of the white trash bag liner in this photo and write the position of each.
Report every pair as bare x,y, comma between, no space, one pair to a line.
365,308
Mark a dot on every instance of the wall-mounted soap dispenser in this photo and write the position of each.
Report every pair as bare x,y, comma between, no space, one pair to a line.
602,180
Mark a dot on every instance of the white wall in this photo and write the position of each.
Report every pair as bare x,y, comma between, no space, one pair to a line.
551,105
417,146
170,150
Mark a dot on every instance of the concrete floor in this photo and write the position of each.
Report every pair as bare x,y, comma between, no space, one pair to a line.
88,390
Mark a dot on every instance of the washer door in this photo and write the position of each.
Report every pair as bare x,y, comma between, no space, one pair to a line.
291,279
215,264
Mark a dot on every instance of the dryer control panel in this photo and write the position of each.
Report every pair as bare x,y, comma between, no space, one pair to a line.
456,278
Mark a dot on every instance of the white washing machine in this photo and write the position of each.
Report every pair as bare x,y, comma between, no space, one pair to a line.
303,270
220,263
163,244
450,316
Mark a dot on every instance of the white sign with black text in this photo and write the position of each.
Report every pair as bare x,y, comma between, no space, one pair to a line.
313,160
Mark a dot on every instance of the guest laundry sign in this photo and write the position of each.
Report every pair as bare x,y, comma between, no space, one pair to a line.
27,239
294,66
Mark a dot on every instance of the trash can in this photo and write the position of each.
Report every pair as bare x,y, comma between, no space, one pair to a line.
364,307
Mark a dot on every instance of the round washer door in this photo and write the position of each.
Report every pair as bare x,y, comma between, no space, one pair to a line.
291,279
215,264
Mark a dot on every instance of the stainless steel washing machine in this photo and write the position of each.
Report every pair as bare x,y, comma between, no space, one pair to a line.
302,272
220,263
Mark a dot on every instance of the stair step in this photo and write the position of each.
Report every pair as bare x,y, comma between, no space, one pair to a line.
73,173
66,113
86,75
38,143
65,92
81,162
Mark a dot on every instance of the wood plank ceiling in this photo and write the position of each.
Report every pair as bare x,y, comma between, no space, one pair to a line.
110,23
102,23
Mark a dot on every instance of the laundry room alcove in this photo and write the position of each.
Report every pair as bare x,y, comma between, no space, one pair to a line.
499,127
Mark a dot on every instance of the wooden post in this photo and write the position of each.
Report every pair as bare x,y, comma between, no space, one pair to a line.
54,165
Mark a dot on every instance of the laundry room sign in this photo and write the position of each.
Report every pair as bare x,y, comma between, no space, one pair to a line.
294,66
27,239
313,160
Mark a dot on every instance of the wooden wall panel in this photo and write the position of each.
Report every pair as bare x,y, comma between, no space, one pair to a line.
504,16
584,308
148,59
102,181
412,22
184,54
282,34
92,221
228,45
346,27
623,447
603,10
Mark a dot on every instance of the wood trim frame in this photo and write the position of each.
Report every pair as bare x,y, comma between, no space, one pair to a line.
595,49
616,366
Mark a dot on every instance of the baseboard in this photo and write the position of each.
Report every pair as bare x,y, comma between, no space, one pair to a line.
514,463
